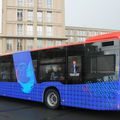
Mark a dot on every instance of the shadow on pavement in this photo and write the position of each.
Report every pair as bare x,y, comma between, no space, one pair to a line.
15,109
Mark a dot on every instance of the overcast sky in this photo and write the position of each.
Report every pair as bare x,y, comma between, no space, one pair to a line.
93,13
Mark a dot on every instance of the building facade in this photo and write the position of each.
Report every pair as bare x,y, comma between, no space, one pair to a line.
80,34
31,24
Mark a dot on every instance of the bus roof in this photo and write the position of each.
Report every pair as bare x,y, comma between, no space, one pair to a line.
98,38
109,36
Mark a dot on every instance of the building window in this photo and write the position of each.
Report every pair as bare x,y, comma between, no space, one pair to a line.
30,30
49,16
71,32
40,43
67,32
49,31
82,39
19,15
39,16
49,43
40,3
39,30
58,42
77,39
19,44
77,32
9,45
91,33
30,3
30,15
71,39
29,44
20,29
20,2
49,3
83,33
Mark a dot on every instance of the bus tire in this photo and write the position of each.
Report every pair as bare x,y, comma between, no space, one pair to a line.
52,99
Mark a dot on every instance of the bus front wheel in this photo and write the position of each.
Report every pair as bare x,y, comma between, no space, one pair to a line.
52,99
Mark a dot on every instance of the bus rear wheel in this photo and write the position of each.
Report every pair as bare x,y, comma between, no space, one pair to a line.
52,99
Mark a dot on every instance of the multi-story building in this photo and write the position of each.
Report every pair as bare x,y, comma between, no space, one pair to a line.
30,24
80,34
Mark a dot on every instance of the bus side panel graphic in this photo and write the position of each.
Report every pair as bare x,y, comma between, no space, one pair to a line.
24,71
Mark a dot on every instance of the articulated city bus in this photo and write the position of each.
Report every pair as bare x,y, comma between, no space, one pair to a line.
83,75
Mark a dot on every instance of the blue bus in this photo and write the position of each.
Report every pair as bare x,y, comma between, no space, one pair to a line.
83,75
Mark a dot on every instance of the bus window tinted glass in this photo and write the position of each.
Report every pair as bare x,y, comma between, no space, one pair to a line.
55,60
52,72
5,72
101,63
52,65
35,66
106,64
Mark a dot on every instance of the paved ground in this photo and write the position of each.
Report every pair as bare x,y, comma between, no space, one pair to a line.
12,109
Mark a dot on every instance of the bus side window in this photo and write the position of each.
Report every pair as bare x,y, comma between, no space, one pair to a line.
35,60
53,72
5,72
99,66
35,67
52,65
13,72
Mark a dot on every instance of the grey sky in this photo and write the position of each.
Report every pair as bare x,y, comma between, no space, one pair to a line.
93,13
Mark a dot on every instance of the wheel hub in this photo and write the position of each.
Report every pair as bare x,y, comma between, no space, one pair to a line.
52,99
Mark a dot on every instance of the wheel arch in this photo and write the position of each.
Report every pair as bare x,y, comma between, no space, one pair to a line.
51,87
